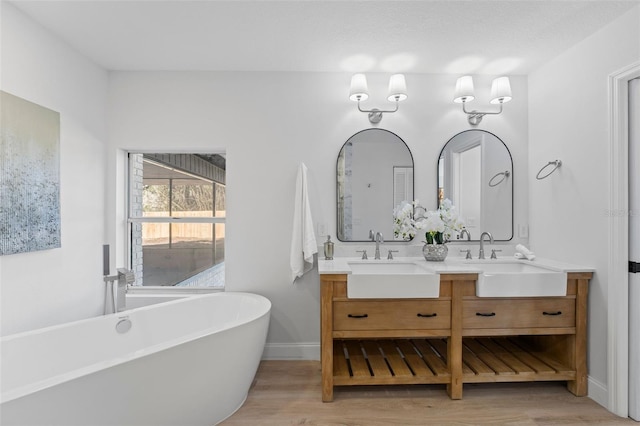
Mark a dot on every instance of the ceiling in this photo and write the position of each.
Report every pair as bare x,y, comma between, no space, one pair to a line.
455,36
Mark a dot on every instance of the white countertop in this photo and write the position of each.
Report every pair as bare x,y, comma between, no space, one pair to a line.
452,265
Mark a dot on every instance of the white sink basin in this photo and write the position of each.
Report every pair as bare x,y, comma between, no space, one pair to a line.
383,268
519,280
376,279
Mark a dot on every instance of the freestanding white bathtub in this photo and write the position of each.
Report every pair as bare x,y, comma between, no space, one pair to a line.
189,361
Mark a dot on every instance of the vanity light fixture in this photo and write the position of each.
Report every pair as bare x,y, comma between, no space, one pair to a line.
360,92
500,94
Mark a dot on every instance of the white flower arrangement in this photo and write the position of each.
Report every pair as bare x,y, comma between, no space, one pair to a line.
438,225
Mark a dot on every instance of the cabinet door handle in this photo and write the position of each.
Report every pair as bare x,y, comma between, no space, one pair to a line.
358,316
552,313
485,314
427,315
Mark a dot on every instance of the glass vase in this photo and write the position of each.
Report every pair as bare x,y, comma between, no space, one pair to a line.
435,252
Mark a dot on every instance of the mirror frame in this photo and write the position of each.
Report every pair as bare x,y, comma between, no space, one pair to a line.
413,184
512,175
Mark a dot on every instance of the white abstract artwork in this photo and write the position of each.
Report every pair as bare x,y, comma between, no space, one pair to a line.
29,176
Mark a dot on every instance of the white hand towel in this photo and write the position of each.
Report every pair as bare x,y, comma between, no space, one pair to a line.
524,252
303,240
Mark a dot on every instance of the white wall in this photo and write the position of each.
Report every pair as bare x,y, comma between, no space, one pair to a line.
55,286
568,120
268,123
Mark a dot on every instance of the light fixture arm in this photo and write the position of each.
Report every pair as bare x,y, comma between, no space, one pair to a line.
500,94
375,114
475,117
360,92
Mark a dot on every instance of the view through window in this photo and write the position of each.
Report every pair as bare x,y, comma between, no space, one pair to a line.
177,216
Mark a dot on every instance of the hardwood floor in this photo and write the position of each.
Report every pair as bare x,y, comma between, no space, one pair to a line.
289,393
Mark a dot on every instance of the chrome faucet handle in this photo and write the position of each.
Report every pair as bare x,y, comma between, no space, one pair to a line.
364,254
390,255
493,253
468,255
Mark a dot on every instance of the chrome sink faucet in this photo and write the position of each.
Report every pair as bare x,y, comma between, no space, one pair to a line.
379,240
488,234
468,251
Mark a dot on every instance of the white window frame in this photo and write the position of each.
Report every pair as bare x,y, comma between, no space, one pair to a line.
131,219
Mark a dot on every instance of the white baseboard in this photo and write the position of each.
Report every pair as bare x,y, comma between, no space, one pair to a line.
300,351
598,392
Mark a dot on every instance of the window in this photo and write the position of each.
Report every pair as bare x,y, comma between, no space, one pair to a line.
177,215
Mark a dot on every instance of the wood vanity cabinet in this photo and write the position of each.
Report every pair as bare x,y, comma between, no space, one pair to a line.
455,339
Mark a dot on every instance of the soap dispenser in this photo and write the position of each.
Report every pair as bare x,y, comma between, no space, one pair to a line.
328,248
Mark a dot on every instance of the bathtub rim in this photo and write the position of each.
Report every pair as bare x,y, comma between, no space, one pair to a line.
22,391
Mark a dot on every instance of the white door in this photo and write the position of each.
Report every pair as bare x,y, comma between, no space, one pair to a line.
634,249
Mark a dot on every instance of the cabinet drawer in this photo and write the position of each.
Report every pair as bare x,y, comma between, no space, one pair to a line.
532,313
388,315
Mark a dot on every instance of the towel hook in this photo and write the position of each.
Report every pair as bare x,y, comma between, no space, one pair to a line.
556,163
504,175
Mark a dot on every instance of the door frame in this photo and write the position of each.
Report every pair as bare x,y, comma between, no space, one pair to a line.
618,275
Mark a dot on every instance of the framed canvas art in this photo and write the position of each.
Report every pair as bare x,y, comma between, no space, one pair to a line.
29,176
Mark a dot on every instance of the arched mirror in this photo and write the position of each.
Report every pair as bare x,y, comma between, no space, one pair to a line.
374,174
475,171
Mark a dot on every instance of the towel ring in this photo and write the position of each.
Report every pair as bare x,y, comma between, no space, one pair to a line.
556,163
504,175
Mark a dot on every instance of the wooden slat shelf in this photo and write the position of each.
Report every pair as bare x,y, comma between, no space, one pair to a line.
380,362
509,360
423,361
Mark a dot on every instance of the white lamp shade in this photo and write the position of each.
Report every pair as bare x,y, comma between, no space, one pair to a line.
464,90
500,90
397,88
359,90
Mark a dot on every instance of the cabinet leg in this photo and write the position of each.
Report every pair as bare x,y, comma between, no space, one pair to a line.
454,350
578,387
454,344
327,374
578,342
454,389
327,393
326,340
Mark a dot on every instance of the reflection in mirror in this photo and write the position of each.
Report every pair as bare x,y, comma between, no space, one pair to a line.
475,171
374,174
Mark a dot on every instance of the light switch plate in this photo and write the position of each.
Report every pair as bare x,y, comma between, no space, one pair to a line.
523,231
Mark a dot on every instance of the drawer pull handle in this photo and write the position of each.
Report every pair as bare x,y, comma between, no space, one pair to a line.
552,313
427,315
358,316
483,314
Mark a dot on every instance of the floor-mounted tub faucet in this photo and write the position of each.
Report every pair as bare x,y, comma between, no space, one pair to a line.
488,234
116,290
